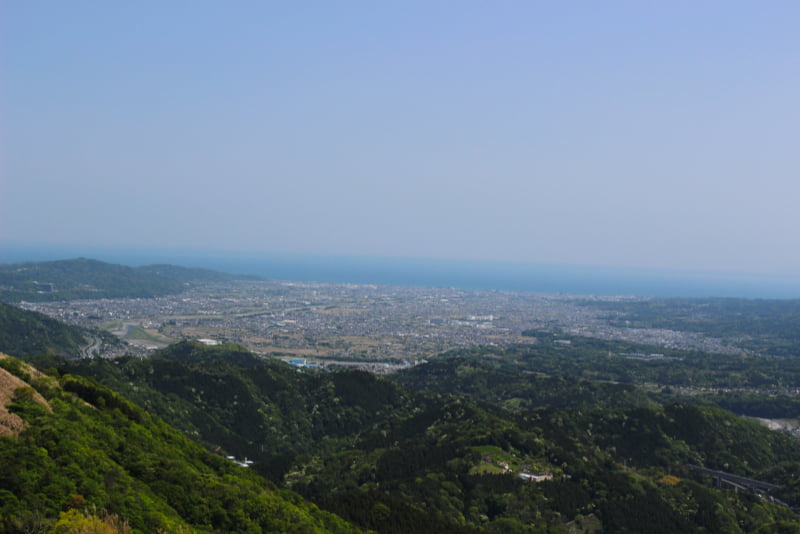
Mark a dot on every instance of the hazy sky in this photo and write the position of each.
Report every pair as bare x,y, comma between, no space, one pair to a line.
607,133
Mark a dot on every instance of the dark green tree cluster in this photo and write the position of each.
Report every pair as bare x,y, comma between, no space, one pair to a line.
26,333
268,411
504,385
447,455
618,361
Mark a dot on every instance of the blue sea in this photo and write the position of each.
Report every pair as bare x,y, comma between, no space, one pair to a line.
485,275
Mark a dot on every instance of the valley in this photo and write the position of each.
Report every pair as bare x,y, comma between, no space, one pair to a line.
362,323
482,411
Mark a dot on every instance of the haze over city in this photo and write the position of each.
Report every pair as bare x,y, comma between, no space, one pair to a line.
589,134
395,266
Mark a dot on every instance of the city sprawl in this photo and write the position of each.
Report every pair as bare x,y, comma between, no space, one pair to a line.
380,326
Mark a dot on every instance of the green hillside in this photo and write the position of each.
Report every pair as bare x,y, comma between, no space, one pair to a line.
26,333
611,360
86,453
504,385
262,409
451,456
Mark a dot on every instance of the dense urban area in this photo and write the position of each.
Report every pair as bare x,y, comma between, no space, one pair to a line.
389,326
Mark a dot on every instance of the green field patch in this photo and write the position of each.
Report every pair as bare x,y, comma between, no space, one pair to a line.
487,469
139,333
495,461
488,449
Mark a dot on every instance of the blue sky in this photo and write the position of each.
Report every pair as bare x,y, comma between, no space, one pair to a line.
588,133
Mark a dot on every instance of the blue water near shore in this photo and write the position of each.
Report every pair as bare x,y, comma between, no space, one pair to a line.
485,275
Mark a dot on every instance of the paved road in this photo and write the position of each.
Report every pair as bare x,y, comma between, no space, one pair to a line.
88,350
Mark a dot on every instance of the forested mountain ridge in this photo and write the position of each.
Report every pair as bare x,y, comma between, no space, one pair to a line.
266,410
83,278
90,457
439,460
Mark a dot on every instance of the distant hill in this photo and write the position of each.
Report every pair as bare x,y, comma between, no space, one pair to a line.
91,279
26,333
191,274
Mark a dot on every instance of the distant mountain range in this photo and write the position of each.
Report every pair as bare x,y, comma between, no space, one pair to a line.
83,278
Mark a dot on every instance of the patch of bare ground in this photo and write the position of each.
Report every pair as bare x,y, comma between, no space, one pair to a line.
11,424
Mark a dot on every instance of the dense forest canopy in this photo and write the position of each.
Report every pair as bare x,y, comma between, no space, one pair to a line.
446,446
27,333
89,449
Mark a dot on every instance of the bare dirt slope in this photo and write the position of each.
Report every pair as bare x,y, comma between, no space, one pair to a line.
11,424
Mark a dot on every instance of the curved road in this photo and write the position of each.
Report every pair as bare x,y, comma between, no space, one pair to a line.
88,350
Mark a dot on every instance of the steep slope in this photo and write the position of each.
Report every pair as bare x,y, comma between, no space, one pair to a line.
93,450
26,333
11,370
265,410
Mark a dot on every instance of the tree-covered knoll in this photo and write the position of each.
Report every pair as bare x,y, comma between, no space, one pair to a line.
97,453
91,279
26,333
507,386
672,435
